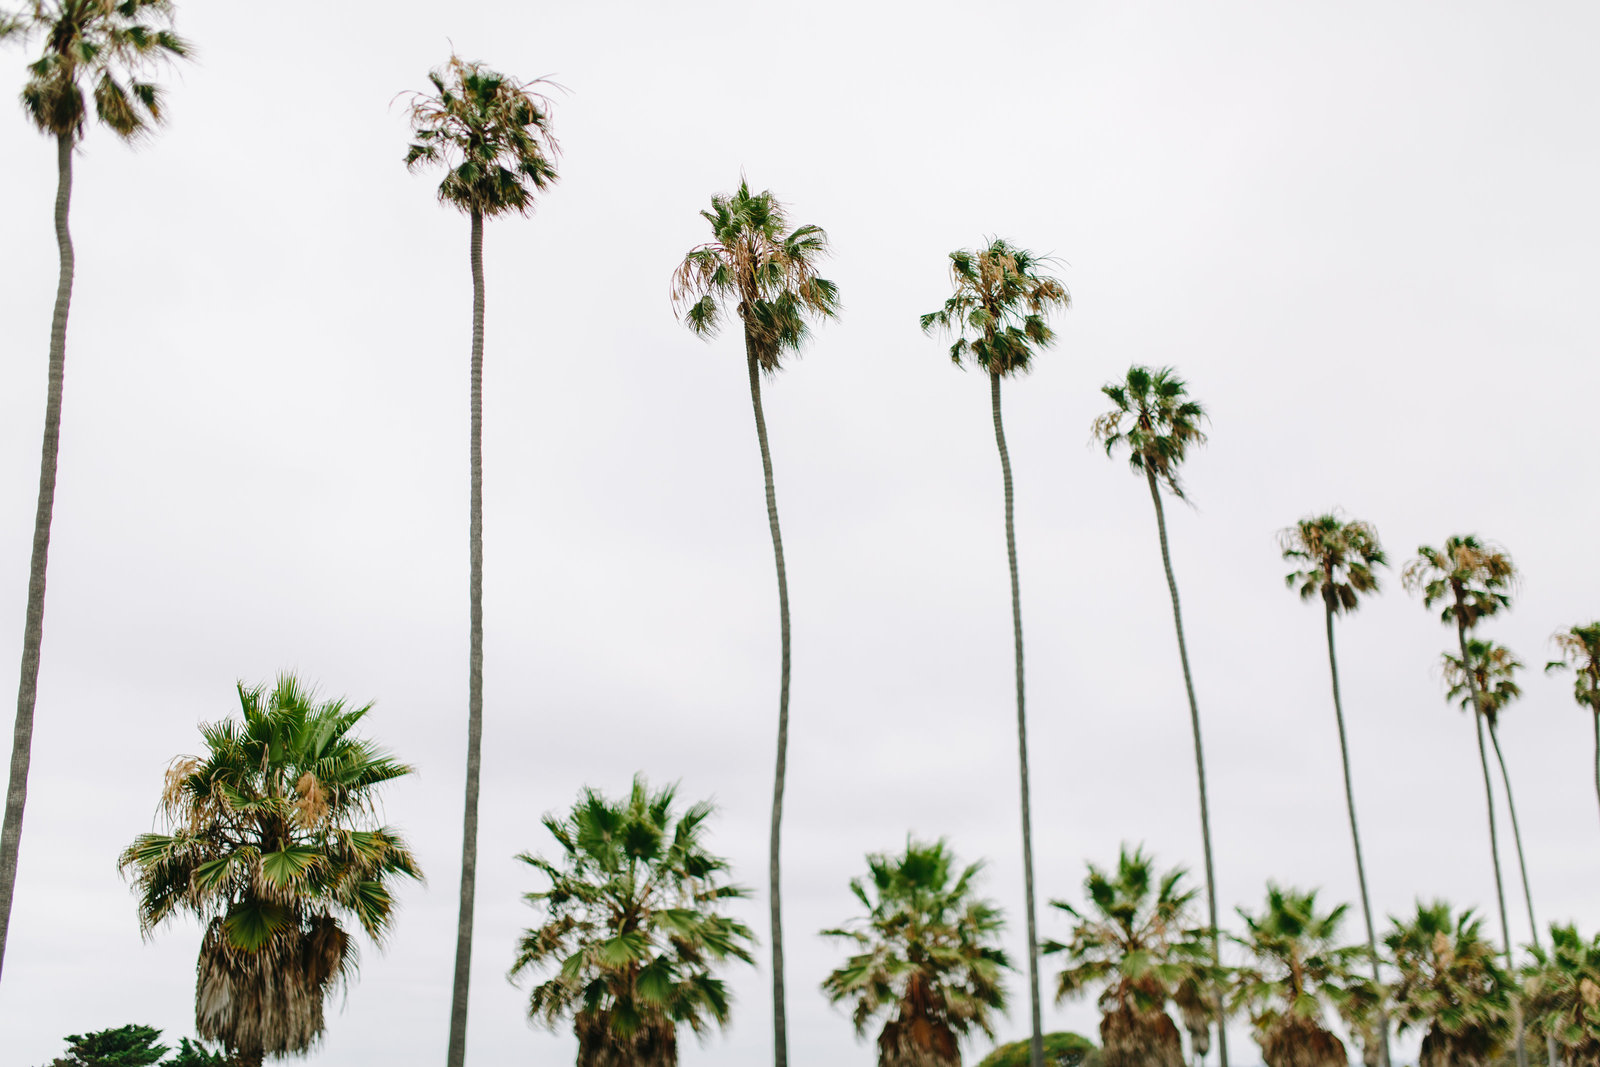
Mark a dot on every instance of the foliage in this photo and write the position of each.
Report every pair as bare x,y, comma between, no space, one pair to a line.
1450,985
1154,419
1000,308
1338,558
1473,579
194,1054
1491,669
273,842
1579,648
134,1046
1063,1049
491,134
633,927
928,956
1562,991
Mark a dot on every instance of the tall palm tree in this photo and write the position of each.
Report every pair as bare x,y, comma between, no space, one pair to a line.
1154,419
633,928
491,134
1337,560
1563,990
111,46
928,956
272,843
1134,938
1473,580
766,274
1579,647
999,316
1297,968
1450,986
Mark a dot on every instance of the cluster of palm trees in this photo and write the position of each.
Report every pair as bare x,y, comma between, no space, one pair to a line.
272,838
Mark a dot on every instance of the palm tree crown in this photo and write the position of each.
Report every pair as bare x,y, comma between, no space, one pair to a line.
1337,559
928,955
1473,579
1491,669
1450,984
1000,308
1155,420
1579,649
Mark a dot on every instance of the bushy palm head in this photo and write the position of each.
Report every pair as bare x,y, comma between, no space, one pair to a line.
274,839
1471,578
1579,648
1154,419
1296,967
999,312
490,132
928,956
633,927
1337,559
1562,994
110,46
764,269
1491,669
1450,985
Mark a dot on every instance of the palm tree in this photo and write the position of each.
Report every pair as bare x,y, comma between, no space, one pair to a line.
1154,419
767,272
928,956
1134,939
999,316
491,133
1473,580
1563,992
1337,559
112,46
1450,985
1298,967
272,842
633,928
1579,647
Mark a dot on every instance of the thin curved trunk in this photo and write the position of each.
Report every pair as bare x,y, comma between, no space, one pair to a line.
1036,1039
469,823
33,623
780,1013
1199,763
1355,837
1596,762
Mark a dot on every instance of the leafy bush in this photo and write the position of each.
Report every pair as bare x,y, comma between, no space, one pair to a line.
1060,1050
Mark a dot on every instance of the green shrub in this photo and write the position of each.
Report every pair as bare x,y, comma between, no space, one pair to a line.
1060,1050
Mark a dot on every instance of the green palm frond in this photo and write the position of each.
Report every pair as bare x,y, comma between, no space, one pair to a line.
1297,964
999,311
1471,578
1489,677
1337,559
1153,419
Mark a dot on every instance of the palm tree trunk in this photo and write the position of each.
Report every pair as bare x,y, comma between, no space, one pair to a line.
1355,836
1596,782
780,1013
33,624
1036,1039
469,825
1199,762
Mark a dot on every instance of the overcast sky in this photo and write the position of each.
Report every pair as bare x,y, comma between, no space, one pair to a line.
1363,232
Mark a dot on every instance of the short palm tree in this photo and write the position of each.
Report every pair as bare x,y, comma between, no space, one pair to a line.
1338,560
759,269
1134,940
274,846
1155,420
1450,986
491,134
1297,969
1563,995
999,315
634,928
928,956
1579,647
109,47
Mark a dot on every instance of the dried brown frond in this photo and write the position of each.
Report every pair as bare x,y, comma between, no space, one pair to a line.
311,804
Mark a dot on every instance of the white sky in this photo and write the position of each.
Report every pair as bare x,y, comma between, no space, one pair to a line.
1363,231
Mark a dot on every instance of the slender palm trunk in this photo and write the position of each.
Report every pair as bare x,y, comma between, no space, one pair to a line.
33,624
1199,763
1036,1040
780,1012
1596,783
469,824
1355,836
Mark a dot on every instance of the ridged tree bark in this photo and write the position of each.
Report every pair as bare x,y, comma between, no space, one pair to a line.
1597,755
1036,1038
33,621
1199,760
469,825
1355,833
780,1015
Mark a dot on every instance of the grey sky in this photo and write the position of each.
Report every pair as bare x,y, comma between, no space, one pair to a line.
1363,232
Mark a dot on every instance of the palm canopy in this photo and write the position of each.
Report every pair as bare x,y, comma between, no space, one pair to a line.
1450,982
1562,989
633,926
109,45
1154,419
1491,669
1337,559
999,312
1579,649
490,132
928,953
764,269
1297,963
1472,578
273,840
